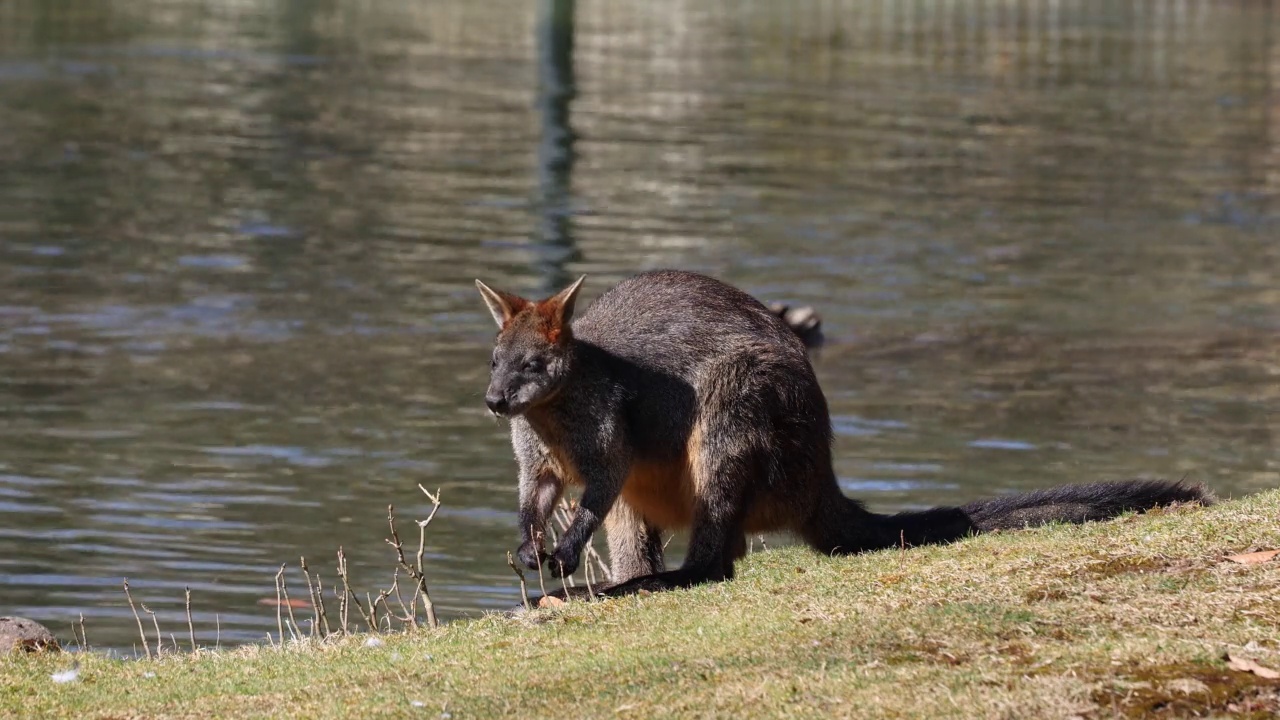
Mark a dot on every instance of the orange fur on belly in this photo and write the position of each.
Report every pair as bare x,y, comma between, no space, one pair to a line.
661,492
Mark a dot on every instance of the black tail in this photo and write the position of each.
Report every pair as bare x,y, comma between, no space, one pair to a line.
848,527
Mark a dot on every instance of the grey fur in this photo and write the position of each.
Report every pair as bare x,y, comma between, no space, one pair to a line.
679,401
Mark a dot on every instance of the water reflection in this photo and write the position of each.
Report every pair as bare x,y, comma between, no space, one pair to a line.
237,243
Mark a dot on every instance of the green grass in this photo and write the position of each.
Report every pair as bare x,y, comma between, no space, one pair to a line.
1124,618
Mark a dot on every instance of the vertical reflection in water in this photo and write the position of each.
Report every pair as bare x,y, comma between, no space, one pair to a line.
556,90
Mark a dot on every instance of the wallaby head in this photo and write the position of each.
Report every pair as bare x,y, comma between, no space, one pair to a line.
532,355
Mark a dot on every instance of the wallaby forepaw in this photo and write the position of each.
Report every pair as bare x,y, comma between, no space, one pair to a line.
563,562
531,555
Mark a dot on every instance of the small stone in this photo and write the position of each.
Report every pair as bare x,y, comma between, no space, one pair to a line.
373,642
18,633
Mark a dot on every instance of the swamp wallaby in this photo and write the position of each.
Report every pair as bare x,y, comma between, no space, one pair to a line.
677,401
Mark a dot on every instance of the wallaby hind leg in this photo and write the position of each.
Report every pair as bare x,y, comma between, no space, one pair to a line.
724,471
733,552
635,546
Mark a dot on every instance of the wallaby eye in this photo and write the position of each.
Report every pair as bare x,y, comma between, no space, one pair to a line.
532,365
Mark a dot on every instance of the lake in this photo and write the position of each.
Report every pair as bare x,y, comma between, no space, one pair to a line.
238,244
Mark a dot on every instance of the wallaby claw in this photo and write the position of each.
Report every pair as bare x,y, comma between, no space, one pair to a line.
563,562
530,555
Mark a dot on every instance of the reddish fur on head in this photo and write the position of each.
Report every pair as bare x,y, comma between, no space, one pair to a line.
549,318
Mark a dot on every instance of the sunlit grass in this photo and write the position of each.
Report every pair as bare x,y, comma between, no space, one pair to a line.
1118,618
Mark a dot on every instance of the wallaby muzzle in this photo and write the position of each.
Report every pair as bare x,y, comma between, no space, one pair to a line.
497,403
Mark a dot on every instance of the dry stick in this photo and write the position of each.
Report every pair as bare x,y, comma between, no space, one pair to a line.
279,608
295,632
346,589
346,585
191,628
407,618
422,548
311,590
524,589
217,639
159,639
324,615
398,546
84,639
415,570
382,598
542,584
141,632
373,612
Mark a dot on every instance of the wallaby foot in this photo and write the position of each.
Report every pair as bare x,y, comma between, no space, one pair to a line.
669,580
658,582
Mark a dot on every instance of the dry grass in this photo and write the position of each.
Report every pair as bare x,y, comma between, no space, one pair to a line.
1126,618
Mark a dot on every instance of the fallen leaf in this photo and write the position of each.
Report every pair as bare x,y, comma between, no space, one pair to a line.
1254,557
1249,666
550,601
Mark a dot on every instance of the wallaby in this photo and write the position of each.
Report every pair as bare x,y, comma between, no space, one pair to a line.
678,401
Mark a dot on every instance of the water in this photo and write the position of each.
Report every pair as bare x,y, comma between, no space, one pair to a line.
237,245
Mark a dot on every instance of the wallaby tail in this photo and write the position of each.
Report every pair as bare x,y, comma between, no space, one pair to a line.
1080,503
847,527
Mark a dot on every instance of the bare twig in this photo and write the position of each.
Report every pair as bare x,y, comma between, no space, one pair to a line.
415,570
295,632
542,583
141,632
217,638
343,572
84,639
317,603
408,617
156,622
524,589
346,590
422,545
191,628
279,603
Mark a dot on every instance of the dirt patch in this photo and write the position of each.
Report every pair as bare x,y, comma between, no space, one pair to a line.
1186,690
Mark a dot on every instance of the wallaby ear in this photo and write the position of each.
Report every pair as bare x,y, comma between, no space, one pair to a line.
503,306
561,304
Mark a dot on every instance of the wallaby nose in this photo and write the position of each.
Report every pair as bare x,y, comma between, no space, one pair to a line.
497,404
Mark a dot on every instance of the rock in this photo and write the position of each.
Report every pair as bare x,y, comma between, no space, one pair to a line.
18,633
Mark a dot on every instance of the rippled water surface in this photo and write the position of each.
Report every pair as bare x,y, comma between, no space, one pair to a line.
237,244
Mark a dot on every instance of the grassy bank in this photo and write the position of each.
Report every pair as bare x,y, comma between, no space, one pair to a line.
1109,619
